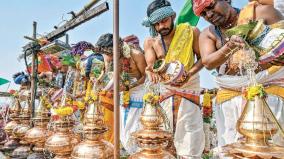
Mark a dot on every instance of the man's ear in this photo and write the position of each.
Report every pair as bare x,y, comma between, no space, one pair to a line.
174,16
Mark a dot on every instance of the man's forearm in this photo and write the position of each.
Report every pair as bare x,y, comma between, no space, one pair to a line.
196,68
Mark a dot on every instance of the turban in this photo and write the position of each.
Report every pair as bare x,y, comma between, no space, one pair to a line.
20,78
200,5
156,17
104,44
81,47
131,40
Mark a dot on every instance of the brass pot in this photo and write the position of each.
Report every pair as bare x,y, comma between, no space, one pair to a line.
37,136
20,131
36,156
59,143
3,137
9,127
21,152
152,154
10,145
62,142
255,123
88,149
149,117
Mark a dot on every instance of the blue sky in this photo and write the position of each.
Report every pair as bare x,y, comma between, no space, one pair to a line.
17,17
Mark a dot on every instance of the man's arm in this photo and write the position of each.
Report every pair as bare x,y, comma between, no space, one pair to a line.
198,64
150,57
140,62
211,57
267,2
274,15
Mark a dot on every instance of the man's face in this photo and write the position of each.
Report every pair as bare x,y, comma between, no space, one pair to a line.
217,13
165,26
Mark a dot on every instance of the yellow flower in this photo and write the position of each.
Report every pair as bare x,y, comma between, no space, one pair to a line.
126,97
206,100
253,91
151,98
80,105
63,111
126,82
94,96
48,105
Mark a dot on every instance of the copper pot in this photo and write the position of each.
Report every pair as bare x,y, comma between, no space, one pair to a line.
88,149
149,117
21,152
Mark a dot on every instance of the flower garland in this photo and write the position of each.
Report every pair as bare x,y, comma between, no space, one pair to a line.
151,98
207,107
125,81
63,111
45,102
253,91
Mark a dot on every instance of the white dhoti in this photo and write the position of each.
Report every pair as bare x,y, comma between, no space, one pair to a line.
228,112
189,137
130,119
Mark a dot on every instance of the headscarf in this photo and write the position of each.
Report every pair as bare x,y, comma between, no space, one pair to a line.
157,16
104,44
200,5
131,40
20,78
80,47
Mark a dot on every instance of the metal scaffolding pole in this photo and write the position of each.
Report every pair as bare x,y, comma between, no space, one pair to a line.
116,54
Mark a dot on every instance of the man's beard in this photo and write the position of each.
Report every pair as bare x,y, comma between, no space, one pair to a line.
167,31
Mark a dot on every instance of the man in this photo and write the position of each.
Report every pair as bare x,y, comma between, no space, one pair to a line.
216,52
278,4
176,43
132,66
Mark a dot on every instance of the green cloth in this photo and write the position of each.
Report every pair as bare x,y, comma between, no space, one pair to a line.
187,15
68,60
3,81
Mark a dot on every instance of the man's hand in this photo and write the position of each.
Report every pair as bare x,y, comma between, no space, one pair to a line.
153,77
235,42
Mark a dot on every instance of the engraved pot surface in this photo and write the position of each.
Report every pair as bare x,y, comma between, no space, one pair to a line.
10,126
93,150
21,152
150,117
36,135
256,121
152,154
59,143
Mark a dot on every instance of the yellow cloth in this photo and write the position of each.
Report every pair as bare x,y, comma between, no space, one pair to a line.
181,48
109,121
225,94
247,13
279,25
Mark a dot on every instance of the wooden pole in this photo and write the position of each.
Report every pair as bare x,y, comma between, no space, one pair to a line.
34,73
116,54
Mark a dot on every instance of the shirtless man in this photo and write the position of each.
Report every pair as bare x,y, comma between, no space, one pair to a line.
180,101
218,52
131,58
